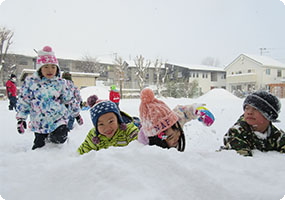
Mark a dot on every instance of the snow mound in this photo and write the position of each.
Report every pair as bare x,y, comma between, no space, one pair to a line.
218,94
101,91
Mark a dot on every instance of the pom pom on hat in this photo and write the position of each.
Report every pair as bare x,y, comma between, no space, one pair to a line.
46,56
147,95
91,101
155,115
47,49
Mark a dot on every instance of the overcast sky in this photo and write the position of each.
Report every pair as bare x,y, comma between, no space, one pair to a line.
179,31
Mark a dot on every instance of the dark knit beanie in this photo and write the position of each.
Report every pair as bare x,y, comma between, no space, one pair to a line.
266,103
13,76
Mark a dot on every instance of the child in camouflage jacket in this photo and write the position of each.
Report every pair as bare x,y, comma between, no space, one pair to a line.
254,129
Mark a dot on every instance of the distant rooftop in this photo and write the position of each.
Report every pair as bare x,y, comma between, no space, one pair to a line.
200,67
267,61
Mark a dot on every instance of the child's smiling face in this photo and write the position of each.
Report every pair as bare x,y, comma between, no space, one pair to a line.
108,124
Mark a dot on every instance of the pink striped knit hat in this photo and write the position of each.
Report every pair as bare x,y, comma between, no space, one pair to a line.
155,115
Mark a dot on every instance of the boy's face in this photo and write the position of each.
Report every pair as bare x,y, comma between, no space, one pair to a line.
172,137
108,124
254,118
49,70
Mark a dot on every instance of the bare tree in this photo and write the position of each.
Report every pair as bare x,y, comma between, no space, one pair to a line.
5,42
210,61
158,66
120,66
89,64
141,69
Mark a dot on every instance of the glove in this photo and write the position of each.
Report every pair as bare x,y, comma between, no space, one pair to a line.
79,120
21,126
205,116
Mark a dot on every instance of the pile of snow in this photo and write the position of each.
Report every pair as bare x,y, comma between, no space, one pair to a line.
140,172
101,91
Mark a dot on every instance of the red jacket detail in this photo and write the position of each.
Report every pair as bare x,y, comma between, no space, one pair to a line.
114,96
11,88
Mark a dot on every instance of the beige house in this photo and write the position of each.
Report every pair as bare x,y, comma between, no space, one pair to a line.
80,79
251,72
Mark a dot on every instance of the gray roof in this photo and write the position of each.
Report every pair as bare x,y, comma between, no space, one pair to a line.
199,67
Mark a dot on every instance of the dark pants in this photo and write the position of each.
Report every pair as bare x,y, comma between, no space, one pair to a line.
13,102
58,136
70,122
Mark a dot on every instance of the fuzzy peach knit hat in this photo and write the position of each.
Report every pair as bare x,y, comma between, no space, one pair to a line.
155,115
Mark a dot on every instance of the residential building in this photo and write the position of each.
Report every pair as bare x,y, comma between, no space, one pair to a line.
208,77
249,73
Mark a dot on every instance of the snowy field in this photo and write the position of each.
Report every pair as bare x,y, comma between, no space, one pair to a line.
57,172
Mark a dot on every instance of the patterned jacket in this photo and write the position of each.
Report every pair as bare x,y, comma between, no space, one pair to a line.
242,138
44,100
76,95
121,138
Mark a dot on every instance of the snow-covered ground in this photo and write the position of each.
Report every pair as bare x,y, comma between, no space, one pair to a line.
57,172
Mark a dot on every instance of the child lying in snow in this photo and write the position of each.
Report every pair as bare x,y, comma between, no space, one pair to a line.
111,126
163,127
254,129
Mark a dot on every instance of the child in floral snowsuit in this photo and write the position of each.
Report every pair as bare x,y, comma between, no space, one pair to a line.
43,96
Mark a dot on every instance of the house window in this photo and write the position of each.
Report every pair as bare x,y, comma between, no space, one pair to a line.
279,73
179,75
204,75
23,62
214,76
249,71
267,71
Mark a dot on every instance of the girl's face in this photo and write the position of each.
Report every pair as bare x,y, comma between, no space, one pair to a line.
108,124
172,137
49,70
254,118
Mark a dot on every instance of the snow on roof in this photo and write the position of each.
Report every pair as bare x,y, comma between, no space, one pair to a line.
199,67
132,64
266,61
106,59
85,74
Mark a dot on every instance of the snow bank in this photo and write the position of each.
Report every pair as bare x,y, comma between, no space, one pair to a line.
57,172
